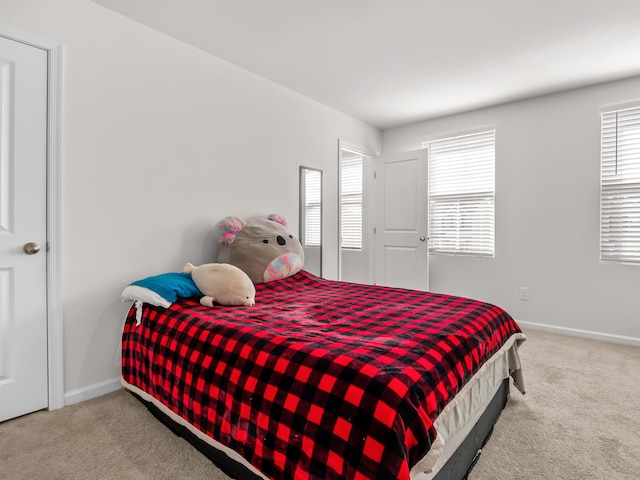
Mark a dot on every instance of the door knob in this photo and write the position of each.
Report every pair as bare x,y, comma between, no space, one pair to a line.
423,238
31,248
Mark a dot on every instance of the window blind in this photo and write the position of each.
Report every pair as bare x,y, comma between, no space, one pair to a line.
351,202
620,186
313,208
462,194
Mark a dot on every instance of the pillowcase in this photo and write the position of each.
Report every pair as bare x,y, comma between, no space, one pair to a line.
161,290
136,294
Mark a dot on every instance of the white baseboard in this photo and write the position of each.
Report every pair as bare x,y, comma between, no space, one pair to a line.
92,391
606,337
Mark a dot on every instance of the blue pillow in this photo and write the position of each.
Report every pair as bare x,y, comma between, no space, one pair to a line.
170,286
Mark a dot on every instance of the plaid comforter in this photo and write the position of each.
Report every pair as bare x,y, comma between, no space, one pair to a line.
319,380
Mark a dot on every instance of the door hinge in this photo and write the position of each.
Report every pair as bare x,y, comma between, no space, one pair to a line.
375,175
374,230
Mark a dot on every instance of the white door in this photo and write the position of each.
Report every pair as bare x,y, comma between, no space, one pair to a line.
401,223
23,150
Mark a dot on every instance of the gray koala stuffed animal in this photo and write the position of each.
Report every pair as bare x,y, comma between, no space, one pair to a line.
264,248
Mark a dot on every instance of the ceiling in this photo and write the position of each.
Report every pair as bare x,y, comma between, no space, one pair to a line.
394,62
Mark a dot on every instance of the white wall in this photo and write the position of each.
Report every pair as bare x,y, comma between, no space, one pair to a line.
547,214
160,141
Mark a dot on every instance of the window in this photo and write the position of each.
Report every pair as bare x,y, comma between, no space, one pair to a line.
462,194
351,168
312,207
620,186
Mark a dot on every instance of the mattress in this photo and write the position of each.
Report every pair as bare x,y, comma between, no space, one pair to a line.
325,379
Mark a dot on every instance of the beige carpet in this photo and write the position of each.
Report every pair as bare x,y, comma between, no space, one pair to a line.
580,419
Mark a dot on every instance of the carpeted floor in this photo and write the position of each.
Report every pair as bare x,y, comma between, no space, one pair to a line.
580,419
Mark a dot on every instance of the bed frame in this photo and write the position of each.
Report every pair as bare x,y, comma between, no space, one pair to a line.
468,453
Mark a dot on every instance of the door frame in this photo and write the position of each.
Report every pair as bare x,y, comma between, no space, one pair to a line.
55,352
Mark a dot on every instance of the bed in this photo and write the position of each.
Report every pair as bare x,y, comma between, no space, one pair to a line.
325,380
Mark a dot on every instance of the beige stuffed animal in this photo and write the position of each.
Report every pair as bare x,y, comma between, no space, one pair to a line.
223,284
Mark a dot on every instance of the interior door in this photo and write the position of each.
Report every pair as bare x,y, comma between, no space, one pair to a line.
401,220
23,150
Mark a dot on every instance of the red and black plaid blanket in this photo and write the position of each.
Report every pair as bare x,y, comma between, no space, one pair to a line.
320,379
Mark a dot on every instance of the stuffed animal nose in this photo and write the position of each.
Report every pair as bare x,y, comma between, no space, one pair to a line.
281,241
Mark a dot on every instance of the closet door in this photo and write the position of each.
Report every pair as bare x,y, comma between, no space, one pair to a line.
23,242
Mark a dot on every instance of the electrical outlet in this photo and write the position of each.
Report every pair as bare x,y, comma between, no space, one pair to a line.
524,293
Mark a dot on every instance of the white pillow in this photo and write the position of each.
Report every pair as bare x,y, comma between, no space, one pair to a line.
137,293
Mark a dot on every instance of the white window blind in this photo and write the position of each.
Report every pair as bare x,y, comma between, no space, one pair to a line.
462,194
620,186
313,207
351,202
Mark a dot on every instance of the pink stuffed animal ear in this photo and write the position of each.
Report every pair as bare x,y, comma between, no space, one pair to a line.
280,219
229,228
